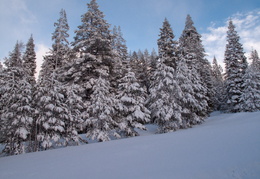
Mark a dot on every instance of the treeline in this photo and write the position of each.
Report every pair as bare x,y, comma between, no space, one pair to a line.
93,86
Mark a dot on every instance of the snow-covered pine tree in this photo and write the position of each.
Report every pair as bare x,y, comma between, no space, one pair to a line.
1,104
191,52
218,85
52,112
119,43
140,67
131,110
29,61
120,55
250,99
16,95
251,94
91,72
93,36
101,110
255,60
1,67
235,64
186,98
152,67
166,45
165,91
92,45
76,108
50,98
61,52
164,95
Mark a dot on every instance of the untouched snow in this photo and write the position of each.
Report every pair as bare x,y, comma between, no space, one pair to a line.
225,146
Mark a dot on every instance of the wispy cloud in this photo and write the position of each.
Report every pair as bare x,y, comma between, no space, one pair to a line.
248,28
17,22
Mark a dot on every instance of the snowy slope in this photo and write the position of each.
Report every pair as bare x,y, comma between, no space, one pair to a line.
225,146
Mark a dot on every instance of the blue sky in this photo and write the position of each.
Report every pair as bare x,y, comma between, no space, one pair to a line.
140,21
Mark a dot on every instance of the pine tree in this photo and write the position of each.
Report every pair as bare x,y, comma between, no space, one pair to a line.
166,44
255,60
60,48
131,109
16,93
52,112
218,83
119,43
235,64
100,111
1,67
191,52
75,107
120,55
186,98
29,61
163,102
93,36
251,95
250,99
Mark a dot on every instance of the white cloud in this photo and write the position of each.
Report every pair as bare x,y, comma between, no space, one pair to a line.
41,50
248,28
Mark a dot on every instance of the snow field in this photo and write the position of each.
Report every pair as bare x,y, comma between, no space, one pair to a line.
225,146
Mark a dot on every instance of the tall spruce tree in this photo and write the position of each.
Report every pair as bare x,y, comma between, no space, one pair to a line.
60,48
165,92
16,95
235,64
191,52
29,61
52,116
91,71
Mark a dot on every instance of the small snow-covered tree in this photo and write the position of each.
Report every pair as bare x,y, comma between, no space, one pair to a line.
251,95
131,109
235,63
250,99
16,95
100,110
255,60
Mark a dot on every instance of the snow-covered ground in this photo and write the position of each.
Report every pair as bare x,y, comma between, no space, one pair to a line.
225,146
